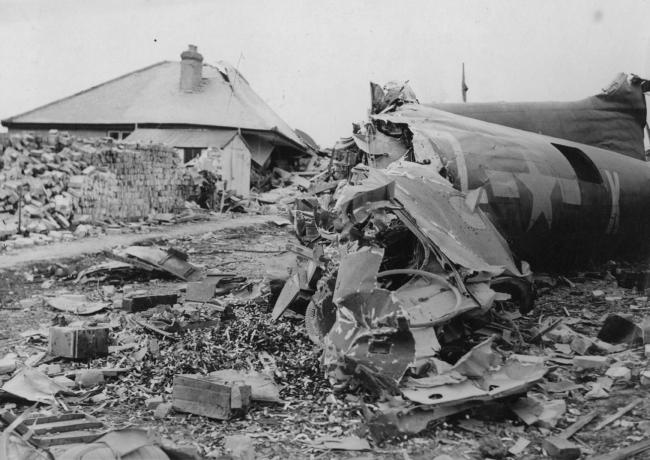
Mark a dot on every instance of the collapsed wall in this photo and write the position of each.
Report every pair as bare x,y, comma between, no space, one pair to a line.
59,181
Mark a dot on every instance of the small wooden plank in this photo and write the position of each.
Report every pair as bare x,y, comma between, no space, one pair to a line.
545,330
8,418
54,418
578,425
624,410
58,429
66,425
70,437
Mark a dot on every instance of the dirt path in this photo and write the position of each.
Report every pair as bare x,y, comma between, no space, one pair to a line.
92,245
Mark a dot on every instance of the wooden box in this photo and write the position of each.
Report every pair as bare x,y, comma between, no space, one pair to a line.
77,342
210,396
147,301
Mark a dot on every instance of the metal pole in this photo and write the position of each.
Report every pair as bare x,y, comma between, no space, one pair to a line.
20,207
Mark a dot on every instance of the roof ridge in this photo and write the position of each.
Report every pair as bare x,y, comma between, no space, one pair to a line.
10,119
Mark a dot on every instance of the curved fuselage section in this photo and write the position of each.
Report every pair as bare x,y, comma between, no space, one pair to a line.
558,203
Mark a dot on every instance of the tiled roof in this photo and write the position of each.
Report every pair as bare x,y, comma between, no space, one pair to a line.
152,95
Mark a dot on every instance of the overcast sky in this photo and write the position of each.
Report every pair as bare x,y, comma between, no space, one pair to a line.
312,60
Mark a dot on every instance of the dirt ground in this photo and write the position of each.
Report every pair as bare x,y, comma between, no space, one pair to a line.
253,248
98,244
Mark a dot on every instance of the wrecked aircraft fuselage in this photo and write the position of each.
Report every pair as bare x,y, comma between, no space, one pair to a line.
407,262
558,203
410,255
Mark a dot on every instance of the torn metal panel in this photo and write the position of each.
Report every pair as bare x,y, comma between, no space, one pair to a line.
385,320
478,362
104,270
426,344
374,191
358,272
370,337
425,150
382,149
169,261
379,334
397,421
466,237
291,296
480,376
78,304
33,385
437,303
344,143
485,380
391,94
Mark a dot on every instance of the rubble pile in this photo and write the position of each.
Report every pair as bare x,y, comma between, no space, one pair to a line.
411,293
60,182
383,357
393,283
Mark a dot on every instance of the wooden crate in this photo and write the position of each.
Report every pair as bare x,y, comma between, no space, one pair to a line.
57,429
146,301
78,342
210,396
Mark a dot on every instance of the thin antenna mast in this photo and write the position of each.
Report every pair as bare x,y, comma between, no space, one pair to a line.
463,85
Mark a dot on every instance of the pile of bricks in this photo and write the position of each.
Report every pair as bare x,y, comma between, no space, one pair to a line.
137,182
57,182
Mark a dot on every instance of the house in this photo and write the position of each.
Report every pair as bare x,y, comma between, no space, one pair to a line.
188,105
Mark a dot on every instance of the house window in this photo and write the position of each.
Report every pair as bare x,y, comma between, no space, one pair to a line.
191,153
119,135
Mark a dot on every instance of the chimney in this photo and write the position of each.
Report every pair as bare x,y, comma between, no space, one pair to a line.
191,67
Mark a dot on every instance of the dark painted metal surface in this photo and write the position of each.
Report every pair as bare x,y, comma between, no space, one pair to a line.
558,203
613,119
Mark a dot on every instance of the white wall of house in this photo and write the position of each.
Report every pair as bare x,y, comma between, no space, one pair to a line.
232,163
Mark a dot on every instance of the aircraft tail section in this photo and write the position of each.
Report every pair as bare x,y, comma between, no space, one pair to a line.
613,119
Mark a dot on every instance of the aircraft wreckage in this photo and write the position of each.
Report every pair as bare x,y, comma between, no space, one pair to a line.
403,261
